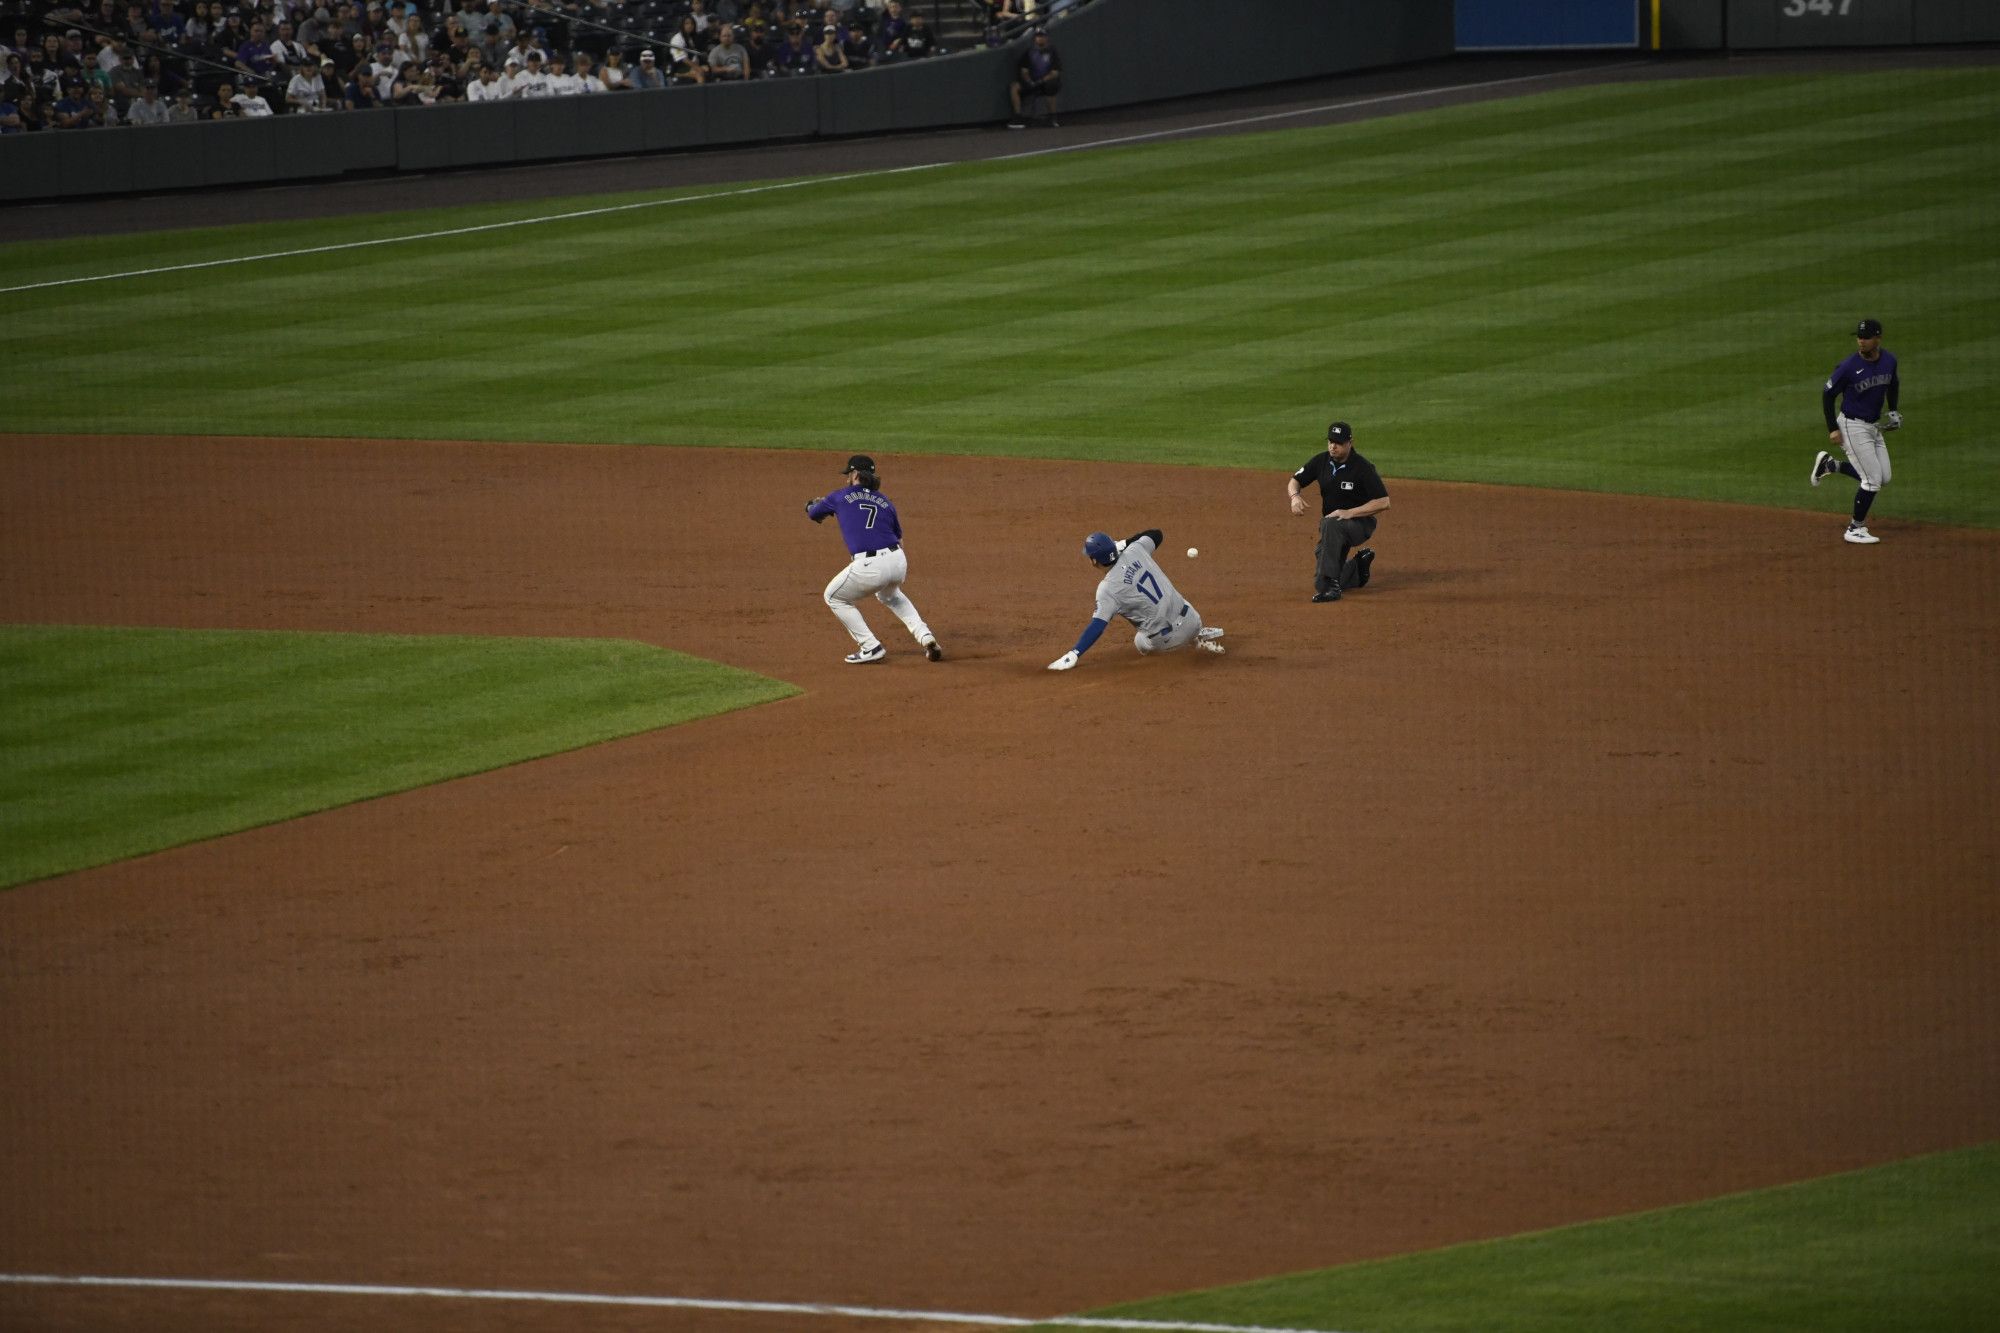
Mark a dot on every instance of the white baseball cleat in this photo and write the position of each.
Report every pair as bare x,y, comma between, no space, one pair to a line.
1861,536
1210,645
867,655
1210,632
1823,467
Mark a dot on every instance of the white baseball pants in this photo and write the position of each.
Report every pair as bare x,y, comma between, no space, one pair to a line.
1864,446
883,576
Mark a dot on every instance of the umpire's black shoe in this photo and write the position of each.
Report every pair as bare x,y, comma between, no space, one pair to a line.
1329,595
1363,558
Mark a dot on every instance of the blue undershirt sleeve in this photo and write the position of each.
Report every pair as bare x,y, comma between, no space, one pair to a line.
1089,635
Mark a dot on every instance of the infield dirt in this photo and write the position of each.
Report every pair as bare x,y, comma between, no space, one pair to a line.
1604,853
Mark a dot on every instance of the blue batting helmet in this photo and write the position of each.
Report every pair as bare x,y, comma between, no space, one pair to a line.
1099,547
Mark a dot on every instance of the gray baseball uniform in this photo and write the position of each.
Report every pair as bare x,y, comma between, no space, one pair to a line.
1139,590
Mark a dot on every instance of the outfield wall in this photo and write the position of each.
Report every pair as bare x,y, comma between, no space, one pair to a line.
1115,53
1707,25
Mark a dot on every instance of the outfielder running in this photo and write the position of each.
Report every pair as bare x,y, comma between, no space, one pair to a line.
874,535
1867,387
1136,588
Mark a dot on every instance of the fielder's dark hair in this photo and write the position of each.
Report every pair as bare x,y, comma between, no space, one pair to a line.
868,480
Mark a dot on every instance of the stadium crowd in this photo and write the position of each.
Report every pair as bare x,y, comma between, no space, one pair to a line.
83,64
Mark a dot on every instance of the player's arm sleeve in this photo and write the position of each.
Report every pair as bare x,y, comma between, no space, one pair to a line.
1089,635
1826,398
819,509
1153,533
1895,389
1373,487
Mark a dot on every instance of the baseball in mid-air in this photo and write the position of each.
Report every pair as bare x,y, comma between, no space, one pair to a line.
1193,552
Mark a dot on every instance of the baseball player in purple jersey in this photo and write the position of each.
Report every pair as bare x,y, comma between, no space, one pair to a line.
1867,388
1135,587
874,537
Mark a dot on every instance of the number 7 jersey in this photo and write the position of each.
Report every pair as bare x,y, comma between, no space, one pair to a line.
867,520
1136,589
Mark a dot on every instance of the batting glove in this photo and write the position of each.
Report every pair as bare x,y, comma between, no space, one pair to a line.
1065,662
1895,421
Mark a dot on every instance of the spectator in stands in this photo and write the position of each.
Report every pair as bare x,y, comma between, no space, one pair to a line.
999,13
727,60
73,110
487,87
14,79
649,75
358,92
828,57
1037,74
757,45
183,111
46,69
230,34
689,45
224,106
794,54
584,74
388,63
289,51
251,103
524,45
920,41
493,49
147,108
447,82
687,53
198,28
859,44
616,76
124,81
11,121
307,89
890,31
703,17
496,17
533,80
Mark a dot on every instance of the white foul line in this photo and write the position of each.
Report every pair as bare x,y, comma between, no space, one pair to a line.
811,180
470,231
644,1302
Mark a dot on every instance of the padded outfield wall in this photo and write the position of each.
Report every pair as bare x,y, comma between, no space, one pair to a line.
1115,53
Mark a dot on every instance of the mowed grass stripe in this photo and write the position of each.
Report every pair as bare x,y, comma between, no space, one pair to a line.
120,742
1532,274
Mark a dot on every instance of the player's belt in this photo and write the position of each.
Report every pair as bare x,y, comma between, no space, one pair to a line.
859,555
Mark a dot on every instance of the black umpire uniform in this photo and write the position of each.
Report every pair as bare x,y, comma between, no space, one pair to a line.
1347,482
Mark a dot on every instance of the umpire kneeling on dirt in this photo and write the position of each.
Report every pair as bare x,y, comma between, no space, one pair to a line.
1351,493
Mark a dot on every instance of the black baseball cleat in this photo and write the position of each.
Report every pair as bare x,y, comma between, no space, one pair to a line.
1330,595
933,651
1362,560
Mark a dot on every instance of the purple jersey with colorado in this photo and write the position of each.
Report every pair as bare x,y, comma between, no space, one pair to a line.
1864,385
868,521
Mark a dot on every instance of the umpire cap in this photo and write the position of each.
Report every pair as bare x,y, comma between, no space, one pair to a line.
1339,433
1868,328
858,463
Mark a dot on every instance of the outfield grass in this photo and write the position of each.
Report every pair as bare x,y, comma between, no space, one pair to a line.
1633,288
120,742
1912,1247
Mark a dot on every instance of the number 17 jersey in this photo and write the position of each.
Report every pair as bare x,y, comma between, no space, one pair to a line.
1137,590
